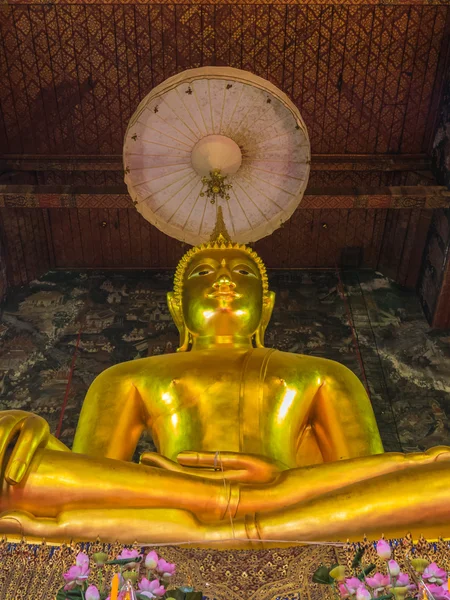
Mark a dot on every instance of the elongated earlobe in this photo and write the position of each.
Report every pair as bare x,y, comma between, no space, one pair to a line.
268,304
175,311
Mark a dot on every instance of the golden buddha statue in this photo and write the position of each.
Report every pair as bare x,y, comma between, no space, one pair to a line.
253,443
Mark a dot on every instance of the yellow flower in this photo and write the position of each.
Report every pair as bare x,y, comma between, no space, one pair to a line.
419,564
400,592
100,558
130,576
338,573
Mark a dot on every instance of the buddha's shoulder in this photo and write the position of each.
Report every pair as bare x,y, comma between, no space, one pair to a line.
288,362
140,366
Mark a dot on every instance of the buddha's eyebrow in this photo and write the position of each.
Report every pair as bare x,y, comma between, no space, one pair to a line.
205,261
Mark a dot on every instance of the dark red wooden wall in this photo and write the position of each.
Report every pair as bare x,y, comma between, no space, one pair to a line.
40,239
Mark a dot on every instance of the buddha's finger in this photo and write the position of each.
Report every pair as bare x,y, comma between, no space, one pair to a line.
219,460
9,427
34,431
152,459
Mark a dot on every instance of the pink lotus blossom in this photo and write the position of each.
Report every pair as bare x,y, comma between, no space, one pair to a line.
92,593
433,574
151,560
75,576
383,550
378,582
126,553
121,596
165,568
363,593
439,592
403,581
151,589
350,586
82,559
78,573
393,568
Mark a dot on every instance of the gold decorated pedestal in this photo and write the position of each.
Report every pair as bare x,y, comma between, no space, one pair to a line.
35,571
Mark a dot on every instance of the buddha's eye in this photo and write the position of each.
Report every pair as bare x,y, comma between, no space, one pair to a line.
242,270
201,271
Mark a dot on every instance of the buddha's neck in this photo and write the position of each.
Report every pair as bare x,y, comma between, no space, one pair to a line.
221,342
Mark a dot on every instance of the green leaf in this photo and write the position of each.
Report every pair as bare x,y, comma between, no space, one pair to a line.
358,556
194,596
70,594
61,595
366,571
388,596
322,575
177,594
124,561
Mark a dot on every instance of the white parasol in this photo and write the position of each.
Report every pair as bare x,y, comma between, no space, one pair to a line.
216,136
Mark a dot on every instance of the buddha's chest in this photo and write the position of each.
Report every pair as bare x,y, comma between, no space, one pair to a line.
232,403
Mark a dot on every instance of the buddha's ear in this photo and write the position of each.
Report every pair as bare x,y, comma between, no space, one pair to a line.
268,304
177,316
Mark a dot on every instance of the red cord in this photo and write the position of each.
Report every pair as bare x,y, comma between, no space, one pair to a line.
69,382
352,328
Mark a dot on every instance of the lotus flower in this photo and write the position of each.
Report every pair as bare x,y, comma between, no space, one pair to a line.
121,596
151,589
403,580
78,573
92,593
378,582
351,585
393,568
383,550
151,561
82,559
363,593
439,592
126,553
433,574
165,568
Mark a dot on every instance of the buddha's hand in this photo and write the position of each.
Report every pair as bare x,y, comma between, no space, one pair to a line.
232,466
25,433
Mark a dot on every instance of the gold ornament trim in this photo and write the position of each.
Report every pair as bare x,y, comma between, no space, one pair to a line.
216,186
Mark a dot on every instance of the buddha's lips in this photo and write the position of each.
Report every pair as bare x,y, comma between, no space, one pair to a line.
227,294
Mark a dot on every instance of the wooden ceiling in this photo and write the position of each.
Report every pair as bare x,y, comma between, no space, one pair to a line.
365,77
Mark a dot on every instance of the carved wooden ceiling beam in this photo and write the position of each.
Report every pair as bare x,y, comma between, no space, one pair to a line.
325,197
319,162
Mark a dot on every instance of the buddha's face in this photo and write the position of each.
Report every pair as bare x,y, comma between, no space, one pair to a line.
222,294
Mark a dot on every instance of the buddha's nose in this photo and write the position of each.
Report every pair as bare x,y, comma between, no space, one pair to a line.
224,281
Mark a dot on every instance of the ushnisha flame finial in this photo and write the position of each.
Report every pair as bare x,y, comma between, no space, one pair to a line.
220,232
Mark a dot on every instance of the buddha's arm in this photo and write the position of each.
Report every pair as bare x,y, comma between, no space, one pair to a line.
342,417
113,416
